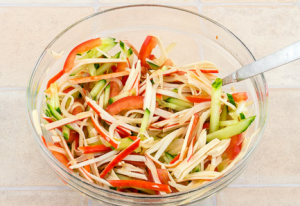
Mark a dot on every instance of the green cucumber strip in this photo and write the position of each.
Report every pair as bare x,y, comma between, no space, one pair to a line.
215,105
107,44
145,121
122,46
179,102
152,65
168,157
242,116
79,69
164,68
129,52
124,143
54,100
171,105
224,113
231,100
106,66
120,96
106,96
232,130
175,90
66,132
97,65
228,123
97,88
56,115
92,69
223,165
196,169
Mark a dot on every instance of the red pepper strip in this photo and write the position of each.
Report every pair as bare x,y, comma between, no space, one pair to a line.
120,157
122,133
140,184
73,136
199,98
234,147
146,50
175,159
60,157
126,103
163,176
85,46
206,125
240,96
135,163
114,89
152,57
55,78
99,130
159,96
94,149
44,140
113,68
196,118
87,168
68,90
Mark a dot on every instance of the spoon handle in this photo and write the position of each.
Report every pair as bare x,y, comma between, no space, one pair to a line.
276,59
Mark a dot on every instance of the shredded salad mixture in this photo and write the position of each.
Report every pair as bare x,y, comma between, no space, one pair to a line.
138,123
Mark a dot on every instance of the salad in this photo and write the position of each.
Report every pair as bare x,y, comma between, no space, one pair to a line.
138,123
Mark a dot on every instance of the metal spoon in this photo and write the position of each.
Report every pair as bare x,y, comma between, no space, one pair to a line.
276,59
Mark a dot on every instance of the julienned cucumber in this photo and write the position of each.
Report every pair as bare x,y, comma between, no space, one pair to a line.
66,132
104,67
231,100
56,115
145,121
232,130
97,88
124,143
171,105
106,96
152,65
179,102
215,105
168,157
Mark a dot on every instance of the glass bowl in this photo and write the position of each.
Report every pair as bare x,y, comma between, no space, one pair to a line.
197,37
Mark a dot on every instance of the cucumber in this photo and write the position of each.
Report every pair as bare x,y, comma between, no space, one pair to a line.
97,88
128,52
92,69
121,95
228,123
106,96
232,130
171,105
152,65
179,102
124,143
175,90
223,165
196,169
168,157
145,121
66,132
104,67
231,100
164,68
56,115
242,116
78,70
224,113
215,105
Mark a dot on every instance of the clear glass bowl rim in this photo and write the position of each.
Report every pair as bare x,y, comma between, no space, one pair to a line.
80,179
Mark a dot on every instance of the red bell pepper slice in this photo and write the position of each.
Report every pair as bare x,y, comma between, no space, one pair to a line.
60,157
73,136
175,159
163,176
114,89
94,149
234,147
146,50
206,125
240,96
120,157
140,184
66,91
85,46
209,70
126,103
199,98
